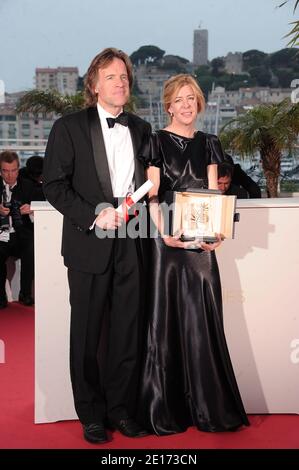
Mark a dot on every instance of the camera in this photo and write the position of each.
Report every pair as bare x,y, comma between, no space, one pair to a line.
14,213
4,219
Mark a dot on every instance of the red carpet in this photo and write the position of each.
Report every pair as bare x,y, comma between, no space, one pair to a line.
17,430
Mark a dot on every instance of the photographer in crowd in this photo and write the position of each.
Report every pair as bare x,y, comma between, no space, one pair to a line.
225,184
16,227
242,180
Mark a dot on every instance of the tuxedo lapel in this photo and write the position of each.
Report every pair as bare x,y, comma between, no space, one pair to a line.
99,153
135,136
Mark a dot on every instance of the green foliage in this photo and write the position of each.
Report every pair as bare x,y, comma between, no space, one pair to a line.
50,101
205,83
289,186
217,66
268,129
80,84
147,54
254,58
240,81
261,69
174,63
287,57
229,81
203,71
275,124
285,77
176,58
294,33
286,1
261,75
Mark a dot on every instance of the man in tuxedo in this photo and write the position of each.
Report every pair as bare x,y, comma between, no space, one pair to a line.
16,227
91,159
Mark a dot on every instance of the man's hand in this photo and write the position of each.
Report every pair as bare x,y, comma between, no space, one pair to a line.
25,209
109,219
4,210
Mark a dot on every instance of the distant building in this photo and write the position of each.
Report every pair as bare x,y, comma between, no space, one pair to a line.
8,124
248,96
35,126
234,62
200,47
215,117
26,133
150,80
11,99
62,79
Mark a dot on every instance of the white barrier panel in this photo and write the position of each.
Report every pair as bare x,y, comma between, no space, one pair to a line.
53,393
259,272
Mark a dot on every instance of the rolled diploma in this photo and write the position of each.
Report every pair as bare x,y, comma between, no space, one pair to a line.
136,196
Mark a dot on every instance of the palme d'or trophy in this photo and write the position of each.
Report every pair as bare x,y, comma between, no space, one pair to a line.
202,214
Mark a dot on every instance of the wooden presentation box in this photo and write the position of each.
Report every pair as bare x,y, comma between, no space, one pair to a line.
200,214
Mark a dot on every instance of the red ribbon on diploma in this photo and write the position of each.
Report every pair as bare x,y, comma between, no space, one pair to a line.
132,199
127,204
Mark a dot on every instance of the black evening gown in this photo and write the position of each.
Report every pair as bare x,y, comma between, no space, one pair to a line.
187,375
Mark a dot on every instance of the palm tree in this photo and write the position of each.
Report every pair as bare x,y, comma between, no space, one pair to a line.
269,129
51,101
294,33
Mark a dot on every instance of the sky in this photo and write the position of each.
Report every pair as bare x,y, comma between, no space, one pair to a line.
42,33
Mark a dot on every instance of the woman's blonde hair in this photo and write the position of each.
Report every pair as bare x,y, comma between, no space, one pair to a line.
173,84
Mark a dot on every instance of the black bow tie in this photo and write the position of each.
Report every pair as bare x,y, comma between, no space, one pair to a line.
121,119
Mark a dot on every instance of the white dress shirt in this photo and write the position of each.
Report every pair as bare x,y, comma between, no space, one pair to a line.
120,155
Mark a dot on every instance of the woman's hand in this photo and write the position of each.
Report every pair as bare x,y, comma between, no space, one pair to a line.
176,242
210,246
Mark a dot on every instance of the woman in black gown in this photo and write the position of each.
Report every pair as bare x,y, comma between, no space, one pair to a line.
188,379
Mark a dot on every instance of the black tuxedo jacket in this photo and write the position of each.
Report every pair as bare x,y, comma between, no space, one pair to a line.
76,179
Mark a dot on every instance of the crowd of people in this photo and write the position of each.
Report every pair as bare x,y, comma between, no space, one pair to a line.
161,288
